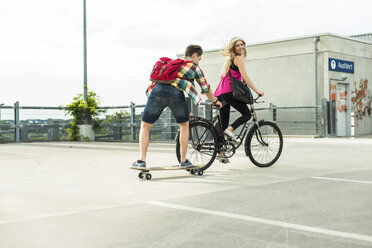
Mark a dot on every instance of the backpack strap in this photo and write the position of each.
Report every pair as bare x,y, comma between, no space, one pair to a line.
161,70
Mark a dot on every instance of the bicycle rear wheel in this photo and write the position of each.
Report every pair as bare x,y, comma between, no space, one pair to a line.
202,145
264,145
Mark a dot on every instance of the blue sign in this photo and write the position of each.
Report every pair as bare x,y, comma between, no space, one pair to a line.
340,65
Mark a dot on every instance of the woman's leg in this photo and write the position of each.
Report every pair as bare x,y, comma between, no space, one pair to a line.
224,113
241,107
225,118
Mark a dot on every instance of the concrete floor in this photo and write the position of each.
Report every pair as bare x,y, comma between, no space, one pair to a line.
319,194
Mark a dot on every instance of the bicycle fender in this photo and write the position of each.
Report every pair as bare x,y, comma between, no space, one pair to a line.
199,119
258,123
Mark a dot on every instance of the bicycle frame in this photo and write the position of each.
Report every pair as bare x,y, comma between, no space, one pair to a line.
216,122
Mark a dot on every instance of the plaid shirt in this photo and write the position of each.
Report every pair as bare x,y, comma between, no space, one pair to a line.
185,81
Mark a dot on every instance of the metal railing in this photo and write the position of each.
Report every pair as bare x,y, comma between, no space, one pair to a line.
122,123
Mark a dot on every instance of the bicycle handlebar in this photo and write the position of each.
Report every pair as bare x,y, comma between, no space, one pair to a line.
255,100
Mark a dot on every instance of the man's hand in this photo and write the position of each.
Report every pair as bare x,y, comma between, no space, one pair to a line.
191,115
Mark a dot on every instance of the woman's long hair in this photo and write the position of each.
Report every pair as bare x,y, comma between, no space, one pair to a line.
229,53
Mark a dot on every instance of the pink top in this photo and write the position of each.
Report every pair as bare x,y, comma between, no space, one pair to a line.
225,83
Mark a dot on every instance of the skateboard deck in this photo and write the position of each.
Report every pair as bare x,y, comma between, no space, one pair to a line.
195,169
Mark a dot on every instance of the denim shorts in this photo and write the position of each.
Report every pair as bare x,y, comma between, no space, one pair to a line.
162,96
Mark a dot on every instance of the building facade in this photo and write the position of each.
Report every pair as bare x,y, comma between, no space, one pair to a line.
309,70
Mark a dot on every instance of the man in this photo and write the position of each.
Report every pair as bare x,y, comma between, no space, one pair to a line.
172,96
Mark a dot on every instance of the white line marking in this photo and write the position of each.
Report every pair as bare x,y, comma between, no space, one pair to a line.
25,153
340,179
43,216
268,222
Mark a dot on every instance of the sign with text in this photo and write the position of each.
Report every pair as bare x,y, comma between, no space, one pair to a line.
340,65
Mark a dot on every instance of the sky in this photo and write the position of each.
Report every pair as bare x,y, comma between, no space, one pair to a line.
41,41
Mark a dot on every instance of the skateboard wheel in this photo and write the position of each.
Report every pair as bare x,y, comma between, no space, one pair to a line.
200,173
148,176
140,175
192,171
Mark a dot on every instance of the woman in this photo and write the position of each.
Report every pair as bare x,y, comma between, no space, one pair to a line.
236,53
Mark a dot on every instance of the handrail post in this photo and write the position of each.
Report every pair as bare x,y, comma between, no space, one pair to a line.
16,122
117,128
207,110
271,116
132,119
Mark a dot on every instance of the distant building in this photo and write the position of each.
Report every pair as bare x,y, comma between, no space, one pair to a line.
37,121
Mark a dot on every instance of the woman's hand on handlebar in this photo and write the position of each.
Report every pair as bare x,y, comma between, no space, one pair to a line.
260,93
219,104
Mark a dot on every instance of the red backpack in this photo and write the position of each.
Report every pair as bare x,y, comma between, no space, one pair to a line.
165,70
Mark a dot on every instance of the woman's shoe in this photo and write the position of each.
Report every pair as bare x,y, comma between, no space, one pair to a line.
230,134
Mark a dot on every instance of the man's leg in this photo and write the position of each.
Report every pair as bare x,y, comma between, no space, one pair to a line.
184,139
144,139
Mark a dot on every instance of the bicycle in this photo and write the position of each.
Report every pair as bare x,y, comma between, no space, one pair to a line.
263,140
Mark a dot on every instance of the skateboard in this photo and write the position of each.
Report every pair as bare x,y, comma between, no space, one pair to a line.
145,172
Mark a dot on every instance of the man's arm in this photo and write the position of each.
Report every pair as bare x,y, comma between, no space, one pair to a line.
213,99
206,89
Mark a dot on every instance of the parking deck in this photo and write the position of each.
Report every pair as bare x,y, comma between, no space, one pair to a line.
319,194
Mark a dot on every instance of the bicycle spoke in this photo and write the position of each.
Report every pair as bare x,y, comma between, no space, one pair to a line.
197,157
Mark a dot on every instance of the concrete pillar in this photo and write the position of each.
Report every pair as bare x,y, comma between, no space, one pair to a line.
86,131
325,117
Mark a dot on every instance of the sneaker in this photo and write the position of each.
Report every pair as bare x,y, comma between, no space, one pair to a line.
230,134
186,164
139,164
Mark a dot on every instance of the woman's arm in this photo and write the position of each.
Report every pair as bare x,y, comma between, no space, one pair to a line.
239,61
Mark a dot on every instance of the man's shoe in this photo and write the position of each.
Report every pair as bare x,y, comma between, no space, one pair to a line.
230,134
139,164
186,164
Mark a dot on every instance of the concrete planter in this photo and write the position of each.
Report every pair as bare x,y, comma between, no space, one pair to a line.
86,131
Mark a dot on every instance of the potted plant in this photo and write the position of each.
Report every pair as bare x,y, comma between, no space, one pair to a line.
85,117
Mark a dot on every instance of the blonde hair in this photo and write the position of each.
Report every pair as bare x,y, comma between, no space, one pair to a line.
229,53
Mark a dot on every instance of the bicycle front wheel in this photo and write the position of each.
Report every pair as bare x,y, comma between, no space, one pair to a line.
202,145
264,145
